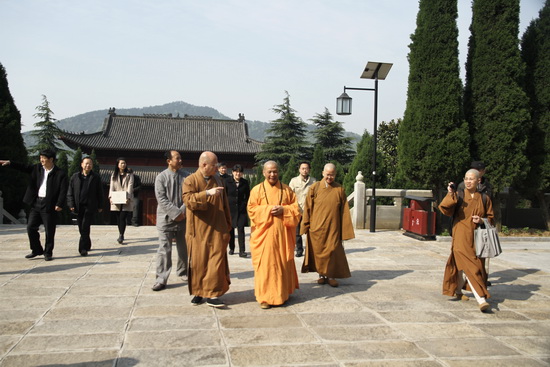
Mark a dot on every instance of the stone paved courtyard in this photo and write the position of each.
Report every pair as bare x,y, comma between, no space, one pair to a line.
100,310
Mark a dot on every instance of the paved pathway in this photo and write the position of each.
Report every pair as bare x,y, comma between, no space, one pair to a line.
100,310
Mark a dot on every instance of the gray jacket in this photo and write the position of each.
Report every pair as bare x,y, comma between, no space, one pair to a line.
169,199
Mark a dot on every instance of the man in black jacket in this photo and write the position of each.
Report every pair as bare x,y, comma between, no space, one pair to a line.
46,195
85,198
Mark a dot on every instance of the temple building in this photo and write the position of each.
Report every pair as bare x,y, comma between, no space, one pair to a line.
142,140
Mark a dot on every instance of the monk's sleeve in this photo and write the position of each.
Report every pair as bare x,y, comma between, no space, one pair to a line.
448,204
306,214
259,214
347,225
227,211
291,211
193,199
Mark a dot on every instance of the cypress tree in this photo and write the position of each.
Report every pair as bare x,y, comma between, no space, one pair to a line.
361,162
330,136
12,147
286,136
495,102
433,136
317,163
388,139
75,163
535,51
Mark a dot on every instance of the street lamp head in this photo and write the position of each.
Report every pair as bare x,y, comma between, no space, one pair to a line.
343,104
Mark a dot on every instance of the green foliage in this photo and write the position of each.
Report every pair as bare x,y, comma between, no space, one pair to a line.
75,163
317,163
12,183
535,52
257,177
388,139
286,136
95,162
47,131
329,135
433,136
362,162
290,171
63,162
496,106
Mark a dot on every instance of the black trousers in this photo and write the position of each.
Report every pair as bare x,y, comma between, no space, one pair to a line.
240,231
121,221
38,215
84,220
299,242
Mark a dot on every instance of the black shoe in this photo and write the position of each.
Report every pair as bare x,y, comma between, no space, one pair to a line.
120,239
158,287
299,253
48,258
231,252
84,253
214,302
31,255
197,300
243,254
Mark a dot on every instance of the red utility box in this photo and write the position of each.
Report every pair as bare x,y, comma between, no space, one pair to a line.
418,219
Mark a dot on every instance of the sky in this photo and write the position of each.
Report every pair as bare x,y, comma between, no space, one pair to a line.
237,56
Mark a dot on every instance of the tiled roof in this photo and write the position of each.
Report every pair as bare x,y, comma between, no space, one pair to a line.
160,132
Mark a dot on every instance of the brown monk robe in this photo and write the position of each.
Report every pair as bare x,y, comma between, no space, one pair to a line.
274,215
327,221
207,231
463,254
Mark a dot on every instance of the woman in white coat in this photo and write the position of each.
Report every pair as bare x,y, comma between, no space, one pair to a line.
122,181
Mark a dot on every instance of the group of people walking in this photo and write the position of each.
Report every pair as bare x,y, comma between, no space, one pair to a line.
49,190
212,204
200,212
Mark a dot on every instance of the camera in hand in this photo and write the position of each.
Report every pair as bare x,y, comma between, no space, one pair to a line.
453,187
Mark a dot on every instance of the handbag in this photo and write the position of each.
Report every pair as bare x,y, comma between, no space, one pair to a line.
486,240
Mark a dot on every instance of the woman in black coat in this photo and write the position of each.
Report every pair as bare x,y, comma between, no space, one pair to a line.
238,192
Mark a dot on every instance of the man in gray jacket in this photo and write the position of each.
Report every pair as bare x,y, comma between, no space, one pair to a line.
170,220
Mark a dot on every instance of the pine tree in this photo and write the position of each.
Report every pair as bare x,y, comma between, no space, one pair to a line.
290,171
47,131
535,51
330,136
286,137
93,157
496,106
12,147
433,136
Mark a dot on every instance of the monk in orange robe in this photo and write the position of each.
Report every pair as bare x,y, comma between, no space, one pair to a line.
463,266
274,215
207,233
327,221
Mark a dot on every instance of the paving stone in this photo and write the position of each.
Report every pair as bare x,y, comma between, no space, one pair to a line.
91,312
68,343
475,347
413,316
347,318
356,333
428,331
538,346
75,359
15,327
240,337
274,355
173,357
376,350
494,362
172,339
513,329
265,321
396,363
63,327
189,322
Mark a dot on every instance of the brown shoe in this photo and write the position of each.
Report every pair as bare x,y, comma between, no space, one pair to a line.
333,283
321,280
484,306
264,306
461,297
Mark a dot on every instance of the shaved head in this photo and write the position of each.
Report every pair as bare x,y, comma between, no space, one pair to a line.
270,163
271,172
208,157
329,166
329,173
208,163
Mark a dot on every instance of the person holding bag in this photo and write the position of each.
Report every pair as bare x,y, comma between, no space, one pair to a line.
464,270
121,195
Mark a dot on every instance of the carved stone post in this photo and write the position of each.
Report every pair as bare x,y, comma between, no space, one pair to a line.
359,202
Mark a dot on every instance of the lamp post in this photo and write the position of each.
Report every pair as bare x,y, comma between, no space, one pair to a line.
376,71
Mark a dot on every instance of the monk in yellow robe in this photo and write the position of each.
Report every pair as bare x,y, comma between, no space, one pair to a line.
327,221
207,233
274,215
464,270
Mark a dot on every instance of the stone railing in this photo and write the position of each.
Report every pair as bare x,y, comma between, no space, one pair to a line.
3,213
387,216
